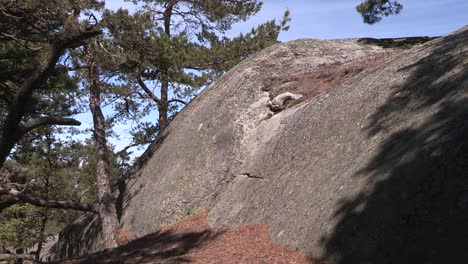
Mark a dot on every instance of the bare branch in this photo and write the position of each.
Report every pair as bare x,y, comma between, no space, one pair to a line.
20,42
42,202
112,55
124,150
148,91
47,121
85,191
11,15
7,203
177,101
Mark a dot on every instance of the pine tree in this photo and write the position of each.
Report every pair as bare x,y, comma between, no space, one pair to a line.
106,202
43,78
165,52
372,11
36,93
35,35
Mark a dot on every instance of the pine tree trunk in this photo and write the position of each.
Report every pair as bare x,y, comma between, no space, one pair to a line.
41,237
106,203
20,252
163,107
49,169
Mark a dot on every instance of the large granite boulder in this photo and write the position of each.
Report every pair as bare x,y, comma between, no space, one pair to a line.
353,151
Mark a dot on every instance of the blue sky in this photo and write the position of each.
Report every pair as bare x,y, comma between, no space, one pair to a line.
329,19
332,19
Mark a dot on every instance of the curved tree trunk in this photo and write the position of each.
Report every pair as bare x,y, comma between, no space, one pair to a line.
106,203
10,129
163,107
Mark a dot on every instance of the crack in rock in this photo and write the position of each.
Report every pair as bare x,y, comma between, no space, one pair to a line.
250,176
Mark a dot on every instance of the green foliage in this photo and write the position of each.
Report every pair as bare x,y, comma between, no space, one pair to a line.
175,48
28,30
47,166
19,226
223,53
372,11
60,169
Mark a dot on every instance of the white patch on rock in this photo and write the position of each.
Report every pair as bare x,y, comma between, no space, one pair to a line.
262,102
278,103
249,119
280,233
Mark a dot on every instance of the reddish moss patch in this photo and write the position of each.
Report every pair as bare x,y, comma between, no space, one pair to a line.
192,241
316,82
123,236
247,244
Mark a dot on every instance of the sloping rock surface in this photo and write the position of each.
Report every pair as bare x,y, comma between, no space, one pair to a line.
368,166
213,141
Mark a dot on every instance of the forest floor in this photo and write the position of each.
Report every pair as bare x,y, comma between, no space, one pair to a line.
192,241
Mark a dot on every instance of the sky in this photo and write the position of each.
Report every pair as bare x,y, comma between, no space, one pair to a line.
331,19
334,19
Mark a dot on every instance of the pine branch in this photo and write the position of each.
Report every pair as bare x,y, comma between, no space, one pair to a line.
20,42
47,121
148,91
43,202
7,203
77,67
23,98
124,150
176,101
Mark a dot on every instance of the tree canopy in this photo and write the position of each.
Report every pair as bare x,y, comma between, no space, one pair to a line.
372,11
168,50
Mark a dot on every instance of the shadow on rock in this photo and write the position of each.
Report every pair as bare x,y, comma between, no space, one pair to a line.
402,43
416,207
159,247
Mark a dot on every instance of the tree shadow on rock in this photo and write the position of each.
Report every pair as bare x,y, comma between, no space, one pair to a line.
135,172
159,247
77,238
416,209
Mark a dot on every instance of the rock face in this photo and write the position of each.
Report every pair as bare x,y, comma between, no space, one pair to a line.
217,140
79,238
368,166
